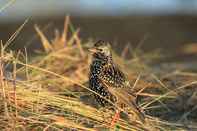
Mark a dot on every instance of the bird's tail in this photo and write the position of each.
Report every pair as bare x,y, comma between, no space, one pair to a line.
138,112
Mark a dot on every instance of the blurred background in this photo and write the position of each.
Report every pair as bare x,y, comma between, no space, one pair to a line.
165,24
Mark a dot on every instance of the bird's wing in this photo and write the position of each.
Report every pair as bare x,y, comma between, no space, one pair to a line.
112,75
115,80
123,95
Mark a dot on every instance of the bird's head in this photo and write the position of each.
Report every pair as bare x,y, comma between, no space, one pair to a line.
101,50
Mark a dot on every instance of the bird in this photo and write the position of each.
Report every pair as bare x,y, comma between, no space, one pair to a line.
107,80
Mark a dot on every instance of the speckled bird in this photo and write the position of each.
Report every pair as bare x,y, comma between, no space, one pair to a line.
109,81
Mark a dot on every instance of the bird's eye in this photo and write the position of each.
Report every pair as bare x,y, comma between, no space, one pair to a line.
100,49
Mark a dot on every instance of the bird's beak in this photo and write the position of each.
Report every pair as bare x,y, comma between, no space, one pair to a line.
92,50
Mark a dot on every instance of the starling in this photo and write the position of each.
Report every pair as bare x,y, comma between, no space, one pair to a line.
109,81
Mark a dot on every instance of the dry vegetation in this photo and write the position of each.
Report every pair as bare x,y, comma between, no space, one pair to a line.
49,93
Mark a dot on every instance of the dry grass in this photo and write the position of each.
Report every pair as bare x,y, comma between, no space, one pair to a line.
46,93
